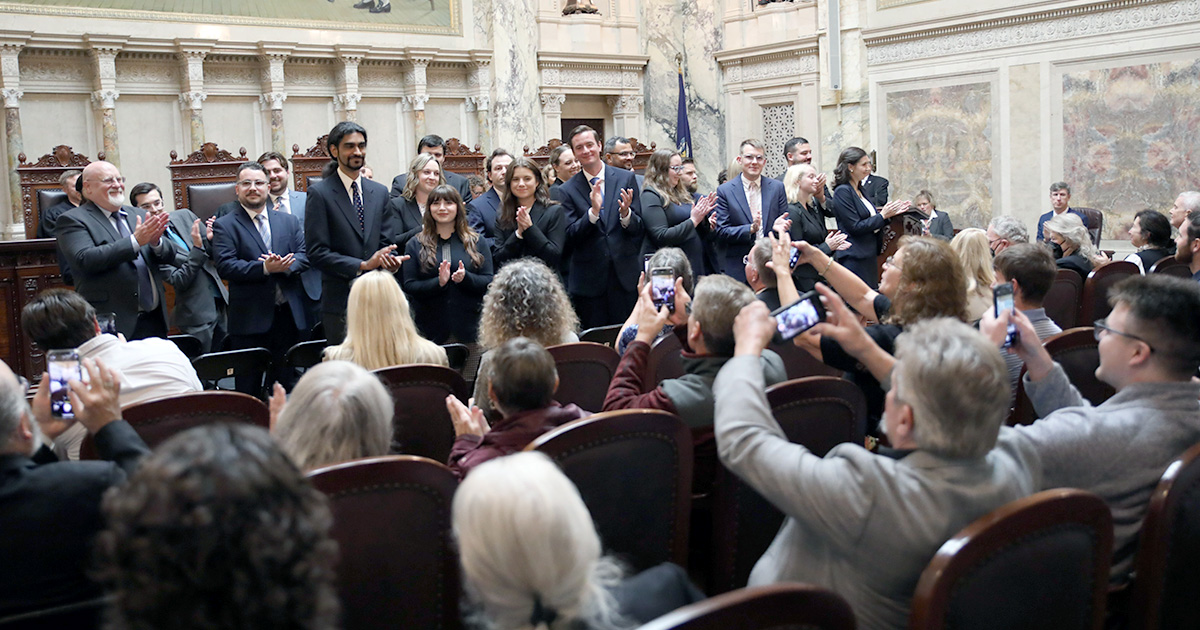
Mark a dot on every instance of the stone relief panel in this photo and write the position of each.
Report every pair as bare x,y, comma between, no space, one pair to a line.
1131,138
779,125
940,140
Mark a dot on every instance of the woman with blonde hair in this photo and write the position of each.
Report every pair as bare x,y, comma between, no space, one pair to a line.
805,222
672,218
379,329
424,174
1070,243
971,246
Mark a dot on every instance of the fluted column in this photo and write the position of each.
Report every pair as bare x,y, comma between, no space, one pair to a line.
104,51
348,95
10,89
274,94
191,99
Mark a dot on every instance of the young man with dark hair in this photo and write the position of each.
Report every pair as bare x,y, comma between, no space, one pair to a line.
747,207
1031,270
484,210
282,199
434,145
1187,245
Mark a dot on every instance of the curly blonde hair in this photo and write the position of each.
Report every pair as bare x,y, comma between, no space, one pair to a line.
932,283
526,299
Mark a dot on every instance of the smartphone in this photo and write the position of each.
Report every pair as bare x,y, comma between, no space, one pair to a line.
799,316
107,322
662,287
63,367
646,262
795,257
1002,299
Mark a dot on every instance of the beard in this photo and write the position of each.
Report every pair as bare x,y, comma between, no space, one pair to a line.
116,198
693,187
1184,254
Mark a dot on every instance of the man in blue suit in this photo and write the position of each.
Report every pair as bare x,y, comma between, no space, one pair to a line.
747,207
281,198
260,252
604,234
486,208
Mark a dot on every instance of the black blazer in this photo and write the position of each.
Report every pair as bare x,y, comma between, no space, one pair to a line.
193,274
483,213
1076,263
604,247
459,182
876,190
670,225
863,229
406,221
50,513
807,226
941,227
453,309
334,242
544,239
238,245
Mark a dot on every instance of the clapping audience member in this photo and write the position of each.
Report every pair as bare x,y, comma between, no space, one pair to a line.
50,510
1149,349
218,529
452,271
530,223
1151,234
747,206
672,217
1031,270
805,221
435,146
1070,243
379,327
526,299
531,557
971,247
938,225
864,524
410,206
760,274
337,412
1005,231
521,381
857,217
674,259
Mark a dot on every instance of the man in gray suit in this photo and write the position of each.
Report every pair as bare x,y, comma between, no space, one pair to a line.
200,296
282,199
863,524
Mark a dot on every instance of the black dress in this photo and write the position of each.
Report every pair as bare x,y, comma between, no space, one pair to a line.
670,224
453,309
544,239
809,226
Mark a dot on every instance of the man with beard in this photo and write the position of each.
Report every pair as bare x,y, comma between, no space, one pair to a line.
293,202
114,251
1187,245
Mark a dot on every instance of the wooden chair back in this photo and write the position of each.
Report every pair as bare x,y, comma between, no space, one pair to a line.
541,156
462,159
39,182
1077,351
421,424
307,166
606,335
204,180
456,356
1094,221
585,370
784,606
1094,303
1172,267
1063,299
155,421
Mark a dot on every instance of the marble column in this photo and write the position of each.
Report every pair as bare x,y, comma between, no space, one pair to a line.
845,115
417,103
191,100
104,51
348,105
192,103
273,102
348,95
419,96
15,144
480,80
479,105
105,101
273,86
516,105
552,113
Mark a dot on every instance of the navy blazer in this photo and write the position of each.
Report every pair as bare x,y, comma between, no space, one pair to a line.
876,190
863,229
334,241
544,239
311,279
197,284
237,246
734,220
604,247
406,221
460,183
482,215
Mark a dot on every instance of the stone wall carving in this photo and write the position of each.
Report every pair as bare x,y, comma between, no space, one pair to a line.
779,125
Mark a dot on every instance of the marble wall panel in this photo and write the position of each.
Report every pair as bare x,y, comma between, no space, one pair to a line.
940,139
306,119
385,153
149,128
1131,137
48,120
444,117
234,122
516,115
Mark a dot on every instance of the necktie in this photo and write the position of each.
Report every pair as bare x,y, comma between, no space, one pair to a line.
358,205
279,204
593,181
264,229
179,240
754,197
147,299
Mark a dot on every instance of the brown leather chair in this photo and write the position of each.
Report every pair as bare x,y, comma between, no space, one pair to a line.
1093,304
1167,581
1172,267
782,606
799,363
584,371
818,412
1062,300
205,198
606,335
1077,351
666,361
397,565
633,469
157,420
1037,563
422,426
1094,221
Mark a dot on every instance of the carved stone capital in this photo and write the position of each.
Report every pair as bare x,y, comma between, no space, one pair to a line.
272,100
417,101
480,103
348,101
626,104
552,103
192,100
12,96
105,99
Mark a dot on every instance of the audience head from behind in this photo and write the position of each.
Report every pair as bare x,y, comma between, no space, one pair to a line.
797,151
1068,236
801,182
252,185
1005,231
337,412
529,550
527,299
664,175
950,390
924,279
716,304
585,145
1187,245
971,247
1187,203
347,145
424,174
1031,270
618,153
758,275
218,528
58,319
1151,229
853,166
19,433
148,197
1153,332
380,331
521,377
677,261
525,185
497,170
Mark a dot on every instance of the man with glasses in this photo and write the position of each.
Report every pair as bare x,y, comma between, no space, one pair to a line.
618,153
747,207
114,251
1149,348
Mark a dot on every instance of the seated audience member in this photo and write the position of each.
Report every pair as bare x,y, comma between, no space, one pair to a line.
1031,270
337,412
1185,204
1187,246
1005,231
1149,349
529,223
677,261
672,217
938,225
1060,200
1151,234
864,524
409,207
531,557
526,299
1070,243
709,336
58,319
50,510
971,247
450,269
522,379
435,146
218,529
760,275
379,327
806,222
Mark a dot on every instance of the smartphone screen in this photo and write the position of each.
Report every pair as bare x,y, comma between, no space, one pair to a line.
1002,299
795,257
662,287
646,262
795,318
63,367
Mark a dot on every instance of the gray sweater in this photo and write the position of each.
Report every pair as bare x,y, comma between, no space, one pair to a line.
1117,450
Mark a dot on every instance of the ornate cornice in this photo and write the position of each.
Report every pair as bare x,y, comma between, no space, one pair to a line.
769,62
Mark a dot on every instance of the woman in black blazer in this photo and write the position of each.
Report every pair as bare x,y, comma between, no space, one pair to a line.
671,217
805,223
858,218
529,223
448,271
424,174
938,224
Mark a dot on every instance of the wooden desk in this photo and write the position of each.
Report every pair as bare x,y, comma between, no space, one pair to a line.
26,268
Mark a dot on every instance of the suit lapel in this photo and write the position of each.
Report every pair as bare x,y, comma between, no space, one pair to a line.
296,204
280,243
612,198
739,197
370,219
99,216
251,230
341,198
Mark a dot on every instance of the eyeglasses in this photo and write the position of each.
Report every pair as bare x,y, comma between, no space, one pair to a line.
890,261
1101,325
677,169
623,153
109,181
754,158
252,183
746,259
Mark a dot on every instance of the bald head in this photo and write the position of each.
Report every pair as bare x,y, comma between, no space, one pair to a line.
103,184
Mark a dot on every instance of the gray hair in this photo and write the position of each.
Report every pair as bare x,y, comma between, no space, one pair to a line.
1190,200
12,407
1069,226
674,258
337,412
760,255
957,385
1010,229
613,141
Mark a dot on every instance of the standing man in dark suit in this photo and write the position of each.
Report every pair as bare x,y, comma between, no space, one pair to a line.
114,251
261,253
875,188
604,234
282,199
200,296
747,207
347,228
485,209
618,152
435,146
799,151
69,181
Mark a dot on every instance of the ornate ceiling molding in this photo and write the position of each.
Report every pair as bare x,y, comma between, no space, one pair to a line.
795,63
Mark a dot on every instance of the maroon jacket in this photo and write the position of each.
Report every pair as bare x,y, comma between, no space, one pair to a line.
508,436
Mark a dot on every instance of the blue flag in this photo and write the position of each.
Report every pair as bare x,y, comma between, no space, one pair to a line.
683,132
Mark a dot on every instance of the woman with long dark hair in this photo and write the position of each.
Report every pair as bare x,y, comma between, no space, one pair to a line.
448,271
424,174
529,222
671,216
1151,234
857,217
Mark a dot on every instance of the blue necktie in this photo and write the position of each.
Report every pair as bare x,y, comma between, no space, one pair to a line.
146,297
593,181
179,240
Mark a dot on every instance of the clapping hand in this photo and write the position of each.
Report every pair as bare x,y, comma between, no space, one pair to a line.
701,209
208,225
274,263
523,220
444,273
626,201
466,421
459,273
820,194
597,197
384,258
782,224
276,404
196,242
836,241
150,230
894,208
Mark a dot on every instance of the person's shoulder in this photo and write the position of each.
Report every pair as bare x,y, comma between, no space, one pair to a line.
451,176
370,184
298,195
729,185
